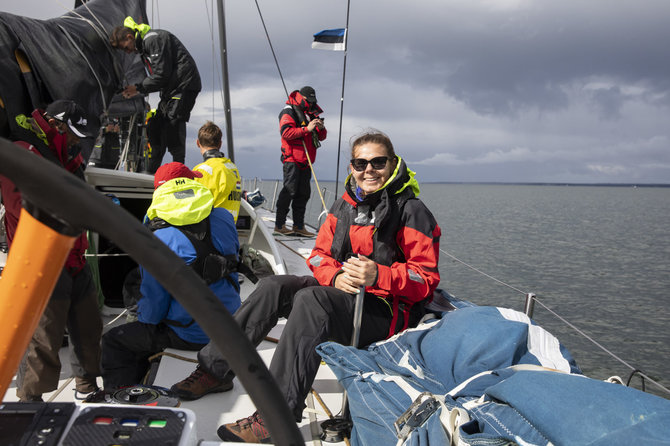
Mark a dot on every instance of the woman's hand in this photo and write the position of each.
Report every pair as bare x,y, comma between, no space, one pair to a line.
357,271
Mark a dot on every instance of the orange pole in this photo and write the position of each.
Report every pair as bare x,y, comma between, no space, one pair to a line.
33,266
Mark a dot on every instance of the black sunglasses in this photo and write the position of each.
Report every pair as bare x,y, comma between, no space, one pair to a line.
377,163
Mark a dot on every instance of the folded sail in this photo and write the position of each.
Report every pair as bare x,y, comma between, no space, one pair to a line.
67,57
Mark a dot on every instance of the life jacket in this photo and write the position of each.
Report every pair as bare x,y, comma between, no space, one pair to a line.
54,149
379,212
222,178
295,140
209,263
51,145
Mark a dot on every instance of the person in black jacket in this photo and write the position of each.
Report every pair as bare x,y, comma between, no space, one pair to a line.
172,71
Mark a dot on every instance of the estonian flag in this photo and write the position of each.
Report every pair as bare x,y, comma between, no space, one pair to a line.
330,39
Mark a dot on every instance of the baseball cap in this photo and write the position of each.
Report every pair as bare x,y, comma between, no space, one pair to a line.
71,114
173,170
309,94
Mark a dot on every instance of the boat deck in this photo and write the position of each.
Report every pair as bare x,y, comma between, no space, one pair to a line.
216,409
213,410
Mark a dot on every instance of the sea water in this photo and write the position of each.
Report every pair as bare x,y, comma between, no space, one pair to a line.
597,257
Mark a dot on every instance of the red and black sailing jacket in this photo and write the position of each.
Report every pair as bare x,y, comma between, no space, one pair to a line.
393,228
293,120
57,152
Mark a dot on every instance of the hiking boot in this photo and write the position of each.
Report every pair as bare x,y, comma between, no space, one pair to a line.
200,383
283,230
85,384
247,430
303,232
31,399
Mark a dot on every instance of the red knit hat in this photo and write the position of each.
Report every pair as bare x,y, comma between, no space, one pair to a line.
173,170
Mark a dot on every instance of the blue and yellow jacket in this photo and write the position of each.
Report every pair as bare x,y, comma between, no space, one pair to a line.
182,202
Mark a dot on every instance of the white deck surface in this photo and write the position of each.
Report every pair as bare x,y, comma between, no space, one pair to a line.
216,409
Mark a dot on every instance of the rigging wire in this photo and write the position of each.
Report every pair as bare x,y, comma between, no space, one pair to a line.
99,29
481,272
562,319
210,22
88,63
274,55
216,72
344,71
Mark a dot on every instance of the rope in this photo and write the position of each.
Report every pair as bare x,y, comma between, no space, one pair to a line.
318,188
100,31
123,158
116,318
172,355
565,321
481,272
316,395
281,76
600,346
60,390
81,53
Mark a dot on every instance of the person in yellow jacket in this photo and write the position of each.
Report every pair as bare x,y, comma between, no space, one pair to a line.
219,174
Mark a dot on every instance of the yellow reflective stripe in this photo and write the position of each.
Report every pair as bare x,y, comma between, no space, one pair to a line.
388,304
29,124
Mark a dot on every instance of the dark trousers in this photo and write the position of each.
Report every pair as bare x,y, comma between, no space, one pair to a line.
315,314
295,193
126,349
171,136
73,304
168,129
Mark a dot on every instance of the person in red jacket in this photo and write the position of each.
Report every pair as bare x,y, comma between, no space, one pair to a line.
301,132
74,301
378,235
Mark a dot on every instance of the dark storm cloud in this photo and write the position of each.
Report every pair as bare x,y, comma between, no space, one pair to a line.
501,62
483,90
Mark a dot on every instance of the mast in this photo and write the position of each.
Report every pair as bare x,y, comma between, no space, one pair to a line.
344,72
224,74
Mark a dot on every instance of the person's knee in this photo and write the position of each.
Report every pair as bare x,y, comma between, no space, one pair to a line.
309,298
115,337
291,189
108,339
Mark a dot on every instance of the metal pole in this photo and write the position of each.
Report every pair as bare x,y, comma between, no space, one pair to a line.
344,71
355,336
274,196
529,306
358,316
226,90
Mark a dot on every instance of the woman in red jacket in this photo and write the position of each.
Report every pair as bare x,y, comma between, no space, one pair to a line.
378,235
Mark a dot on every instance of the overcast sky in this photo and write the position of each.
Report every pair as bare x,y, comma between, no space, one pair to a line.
475,91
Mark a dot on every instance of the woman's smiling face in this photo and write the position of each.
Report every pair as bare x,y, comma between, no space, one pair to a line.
371,179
